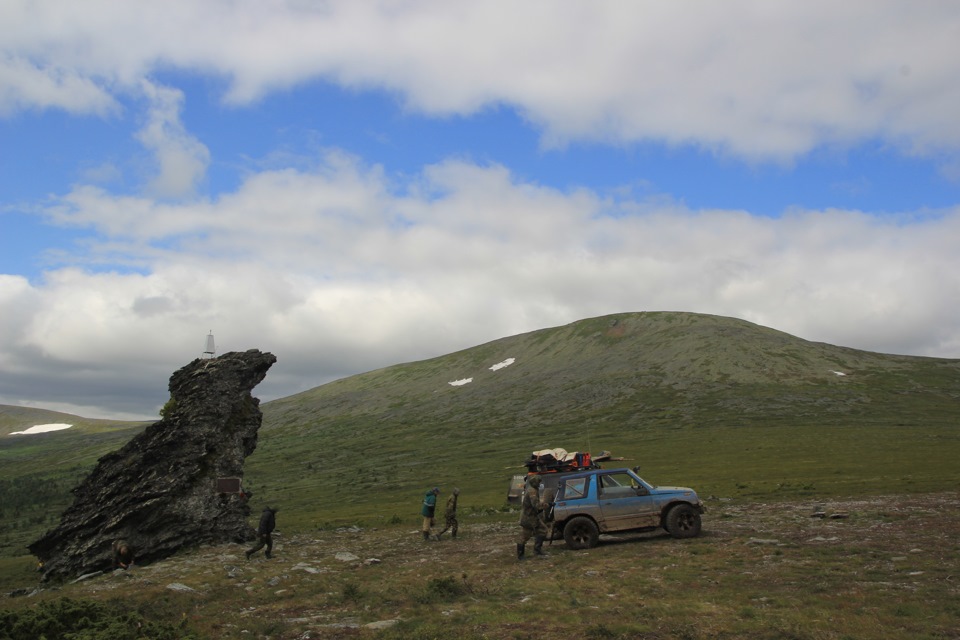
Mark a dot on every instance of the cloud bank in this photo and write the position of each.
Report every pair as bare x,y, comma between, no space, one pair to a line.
338,264
743,77
336,272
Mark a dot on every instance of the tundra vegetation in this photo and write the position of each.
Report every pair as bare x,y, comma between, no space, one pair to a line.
832,499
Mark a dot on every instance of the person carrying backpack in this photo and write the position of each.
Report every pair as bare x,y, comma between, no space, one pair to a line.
268,522
427,511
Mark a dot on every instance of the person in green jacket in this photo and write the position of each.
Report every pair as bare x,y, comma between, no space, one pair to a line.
429,506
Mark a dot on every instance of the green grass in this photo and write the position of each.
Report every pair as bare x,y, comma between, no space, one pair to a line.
886,571
744,463
748,416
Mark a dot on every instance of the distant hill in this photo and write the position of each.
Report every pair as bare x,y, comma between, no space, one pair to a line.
13,418
634,369
689,397
726,406
37,471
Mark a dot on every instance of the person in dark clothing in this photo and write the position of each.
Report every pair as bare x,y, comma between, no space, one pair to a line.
268,521
122,555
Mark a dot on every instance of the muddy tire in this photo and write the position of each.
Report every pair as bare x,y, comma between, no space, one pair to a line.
581,533
682,521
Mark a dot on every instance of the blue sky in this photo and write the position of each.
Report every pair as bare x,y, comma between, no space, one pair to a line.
353,185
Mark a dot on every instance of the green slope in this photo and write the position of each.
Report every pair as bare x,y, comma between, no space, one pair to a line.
38,471
727,406
731,408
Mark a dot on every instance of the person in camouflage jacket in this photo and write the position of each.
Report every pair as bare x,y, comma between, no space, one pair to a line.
532,524
450,516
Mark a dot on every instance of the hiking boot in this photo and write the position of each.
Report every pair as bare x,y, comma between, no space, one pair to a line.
538,546
520,551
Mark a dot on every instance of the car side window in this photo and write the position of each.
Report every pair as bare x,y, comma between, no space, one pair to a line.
575,488
617,485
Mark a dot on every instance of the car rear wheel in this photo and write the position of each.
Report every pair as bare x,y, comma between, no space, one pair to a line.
683,521
581,533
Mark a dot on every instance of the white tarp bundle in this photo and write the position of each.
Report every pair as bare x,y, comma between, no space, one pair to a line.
560,455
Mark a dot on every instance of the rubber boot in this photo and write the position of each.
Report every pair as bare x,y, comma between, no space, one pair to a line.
538,545
520,551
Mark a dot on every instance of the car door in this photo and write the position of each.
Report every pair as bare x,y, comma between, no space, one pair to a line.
625,503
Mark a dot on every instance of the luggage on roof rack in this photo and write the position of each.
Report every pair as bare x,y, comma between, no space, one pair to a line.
557,460
554,461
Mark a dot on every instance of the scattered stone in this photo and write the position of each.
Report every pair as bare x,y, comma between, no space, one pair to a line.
370,561
176,586
344,556
763,541
839,515
87,576
381,624
305,567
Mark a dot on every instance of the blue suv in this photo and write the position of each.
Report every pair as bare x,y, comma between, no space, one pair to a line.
597,501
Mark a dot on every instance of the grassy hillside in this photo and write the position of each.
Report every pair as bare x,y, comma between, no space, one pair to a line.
758,421
38,471
726,406
730,408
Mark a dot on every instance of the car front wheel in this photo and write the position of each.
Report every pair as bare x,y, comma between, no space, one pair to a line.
683,521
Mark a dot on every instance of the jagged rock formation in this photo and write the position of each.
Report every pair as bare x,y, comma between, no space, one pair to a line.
160,491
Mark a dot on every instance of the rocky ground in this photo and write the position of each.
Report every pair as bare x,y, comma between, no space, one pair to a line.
772,558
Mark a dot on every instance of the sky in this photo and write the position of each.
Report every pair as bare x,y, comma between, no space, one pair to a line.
352,185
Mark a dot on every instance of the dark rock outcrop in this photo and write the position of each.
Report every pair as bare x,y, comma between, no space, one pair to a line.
160,492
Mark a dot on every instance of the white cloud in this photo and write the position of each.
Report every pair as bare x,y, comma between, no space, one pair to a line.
337,272
754,79
338,268
24,85
180,158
